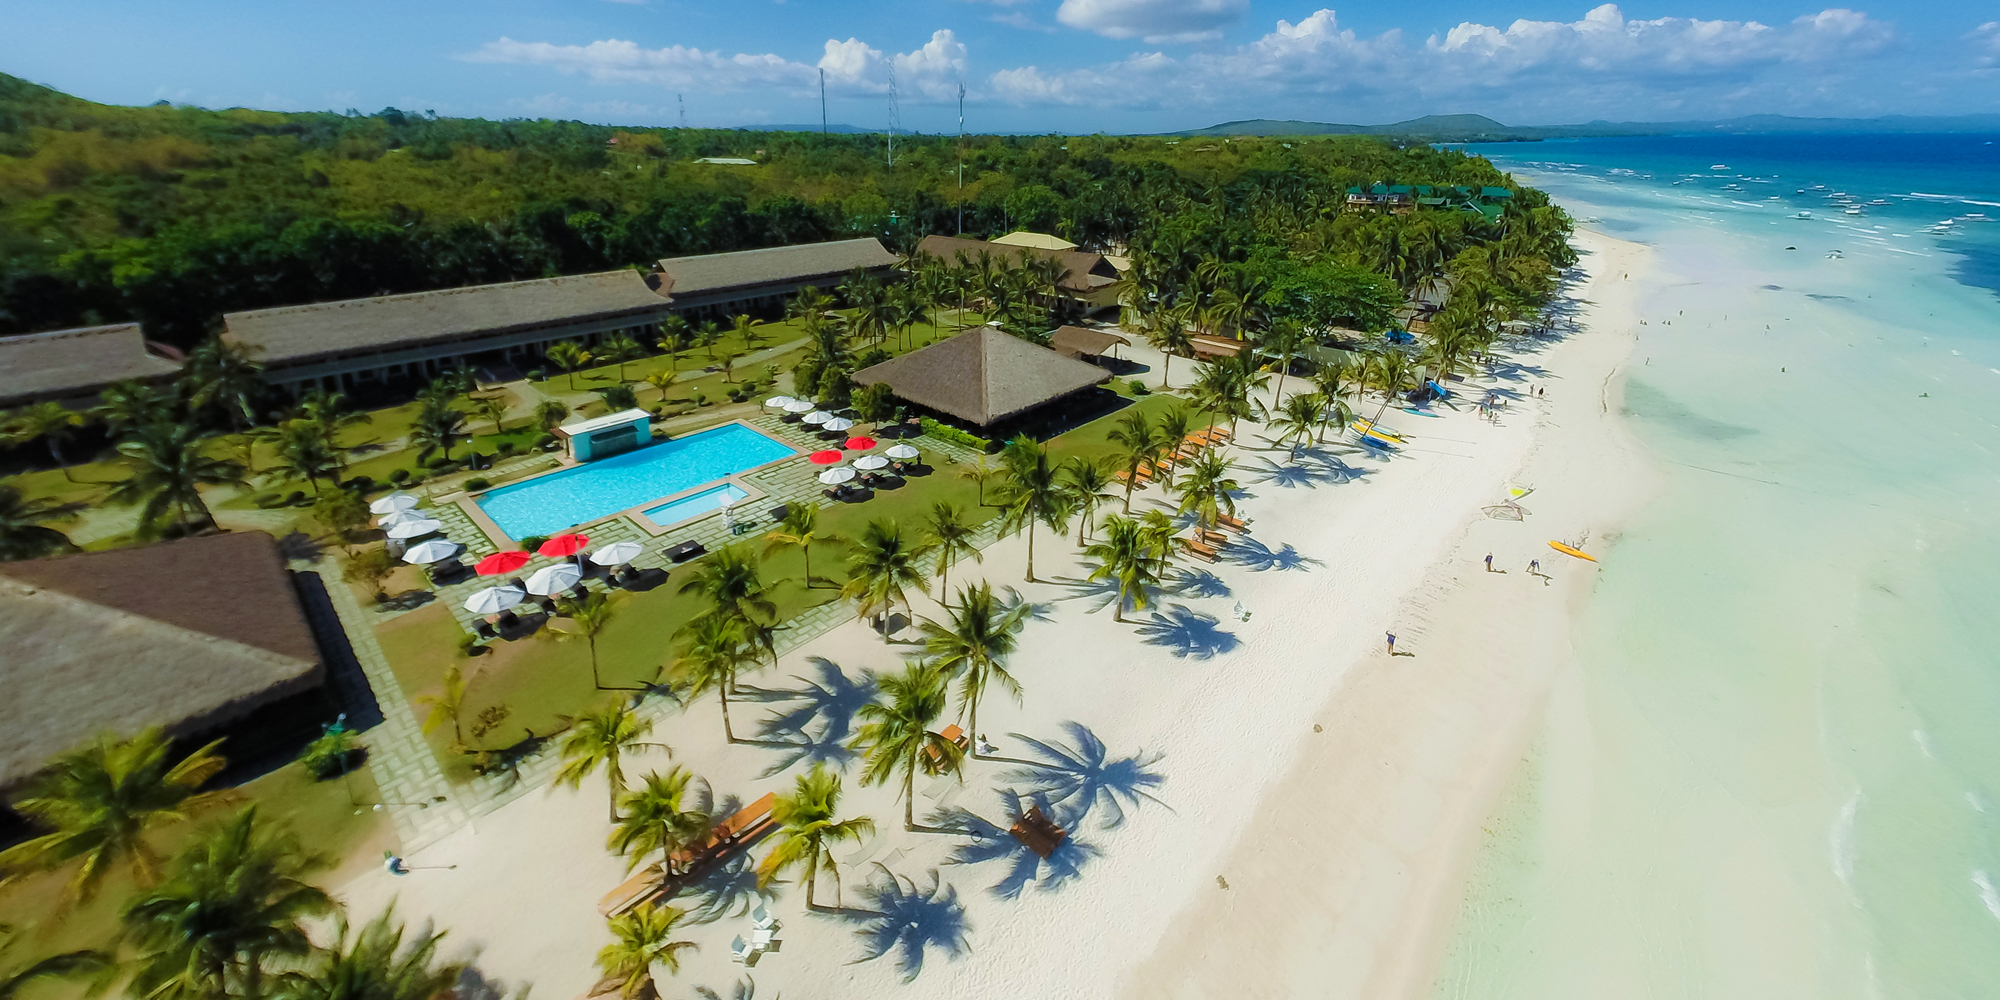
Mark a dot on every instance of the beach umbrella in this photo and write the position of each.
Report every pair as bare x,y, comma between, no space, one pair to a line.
436,550
554,579
502,563
779,402
901,451
798,406
836,476
616,554
567,544
818,417
827,457
860,443
870,462
392,503
414,529
397,517
839,424
494,600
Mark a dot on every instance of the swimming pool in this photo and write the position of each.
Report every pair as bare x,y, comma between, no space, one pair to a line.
560,500
697,504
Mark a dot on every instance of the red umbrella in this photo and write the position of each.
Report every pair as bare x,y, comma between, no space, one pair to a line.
824,457
564,545
502,563
860,443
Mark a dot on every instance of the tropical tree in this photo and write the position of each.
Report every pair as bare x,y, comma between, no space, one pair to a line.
374,964
622,349
713,649
1031,494
980,471
569,356
223,374
749,332
661,382
728,579
663,815
231,903
799,530
303,453
1130,556
1169,334
948,536
68,965
1299,417
22,533
1088,485
1283,341
1174,426
1138,443
896,737
808,829
130,403
602,737
675,336
494,409
446,705
439,424
645,938
369,567
880,569
100,804
550,413
974,645
588,617
1336,413
49,422
1205,488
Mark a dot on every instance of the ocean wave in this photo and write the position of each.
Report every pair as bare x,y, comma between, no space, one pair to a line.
1932,197
1840,841
1987,894
1923,738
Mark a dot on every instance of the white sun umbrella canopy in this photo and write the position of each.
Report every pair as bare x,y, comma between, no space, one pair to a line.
392,503
870,462
436,550
616,554
839,424
414,529
799,406
397,517
901,451
554,579
779,402
818,417
836,475
494,600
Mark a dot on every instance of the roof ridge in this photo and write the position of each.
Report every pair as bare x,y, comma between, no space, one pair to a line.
26,589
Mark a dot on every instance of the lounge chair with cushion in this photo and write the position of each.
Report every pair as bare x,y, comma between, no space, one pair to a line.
739,950
1201,550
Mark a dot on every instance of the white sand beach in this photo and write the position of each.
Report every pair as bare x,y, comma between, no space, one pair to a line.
1270,805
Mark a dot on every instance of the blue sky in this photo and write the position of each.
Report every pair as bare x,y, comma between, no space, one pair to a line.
1027,65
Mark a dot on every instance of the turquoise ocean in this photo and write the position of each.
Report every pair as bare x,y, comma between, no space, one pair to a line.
1774,768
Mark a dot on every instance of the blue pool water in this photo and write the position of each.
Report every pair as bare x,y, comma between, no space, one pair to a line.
564,499
696,504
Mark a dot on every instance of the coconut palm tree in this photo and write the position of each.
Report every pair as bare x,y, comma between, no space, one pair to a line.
1206,489
880,570
1298,418
588,618
728,579
663,814
808,828
445,706
1088,484
100,804
302,451
494,409
750,332
68,965
713,648
645,939
975,644
896,737
131,403
231,903
51,423
1174,426
222,373
948,536
1138,444
800,530
980,471
438,426
602,737
1169,334
22,533
622,349
374,964
1131,557
569,356
1283,341
661,382
1336,413
1031,493
675,336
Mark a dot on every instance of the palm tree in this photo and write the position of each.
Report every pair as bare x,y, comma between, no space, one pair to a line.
748,331
372,965
1088,486
1206,489
675,337
131,403
1031,494
1169,334
302,452
1138,444
494,409
600,738
808,829
438,425
588,618
1129,556
568,355
620,348
713,648
222,373
231,902
69,965
1336,413
975,645
980,472
22,533
1283,341
660,381
1301,414
100,803
645,939
947,534
880,568
445,706
550,413
800,530
51,422
728,579
896,737
660,816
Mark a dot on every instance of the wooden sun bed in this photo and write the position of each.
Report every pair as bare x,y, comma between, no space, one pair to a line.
1038,832
951,733
1232,522
1197,548
1211,536
723,840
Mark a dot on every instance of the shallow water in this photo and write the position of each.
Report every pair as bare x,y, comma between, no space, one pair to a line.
1775,771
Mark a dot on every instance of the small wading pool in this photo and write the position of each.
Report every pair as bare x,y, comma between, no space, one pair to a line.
669,514
548,504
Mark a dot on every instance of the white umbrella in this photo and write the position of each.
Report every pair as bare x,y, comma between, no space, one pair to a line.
779,402
413,529
394,518
616,554
436,550
870,462
392,503
798,406
901,451
554,579
818,417
494,600
839,424
836,475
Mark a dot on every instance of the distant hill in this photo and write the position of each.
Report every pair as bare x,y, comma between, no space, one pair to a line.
1479,128
835,129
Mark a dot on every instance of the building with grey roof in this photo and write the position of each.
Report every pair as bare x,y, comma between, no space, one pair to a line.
983,376
339,344
1088,278
719,285
71,366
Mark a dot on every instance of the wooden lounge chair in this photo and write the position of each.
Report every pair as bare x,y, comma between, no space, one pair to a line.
954,735
1211,537
643,885
1198,549
1038,832
746,825
1232,522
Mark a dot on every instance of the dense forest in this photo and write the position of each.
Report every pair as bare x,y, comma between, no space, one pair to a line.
174,215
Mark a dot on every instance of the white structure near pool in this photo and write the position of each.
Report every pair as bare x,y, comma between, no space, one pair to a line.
605,436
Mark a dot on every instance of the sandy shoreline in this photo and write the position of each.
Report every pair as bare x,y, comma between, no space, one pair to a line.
1343,849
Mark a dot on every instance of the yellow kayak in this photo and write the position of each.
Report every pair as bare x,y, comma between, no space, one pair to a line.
1572,551
1367,427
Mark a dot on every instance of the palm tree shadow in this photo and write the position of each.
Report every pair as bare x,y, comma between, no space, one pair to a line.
730,889
908,921
1190,634
1098,593
1024,867
1196,582
1259,557
1082,779
817,729
1293,475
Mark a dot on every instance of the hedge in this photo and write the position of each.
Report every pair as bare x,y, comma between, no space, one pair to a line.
946,432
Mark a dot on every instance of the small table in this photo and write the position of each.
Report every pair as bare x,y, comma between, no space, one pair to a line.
684,551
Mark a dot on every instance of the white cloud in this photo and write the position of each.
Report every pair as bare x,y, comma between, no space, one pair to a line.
1155,21
932,70
1987,37
1018,19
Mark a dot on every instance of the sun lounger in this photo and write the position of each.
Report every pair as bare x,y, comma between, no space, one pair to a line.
951,733
643,884
1232,522
1211,537
746,825
739,950
1198,549
761,916
684,551
762,939
1038,832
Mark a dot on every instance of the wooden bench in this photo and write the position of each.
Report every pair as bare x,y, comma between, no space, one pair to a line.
1198,549
1232,522
1038,832
723,840
953,735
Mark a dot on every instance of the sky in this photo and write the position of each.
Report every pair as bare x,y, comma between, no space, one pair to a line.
1026,65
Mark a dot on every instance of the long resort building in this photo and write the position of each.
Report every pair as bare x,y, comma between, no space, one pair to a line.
720,285
72,366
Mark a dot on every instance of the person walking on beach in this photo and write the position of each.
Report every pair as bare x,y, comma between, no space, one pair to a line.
1392,642
1534,566
1489,562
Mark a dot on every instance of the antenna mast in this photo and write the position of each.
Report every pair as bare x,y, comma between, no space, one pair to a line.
822,107
678,99
893,114
961,157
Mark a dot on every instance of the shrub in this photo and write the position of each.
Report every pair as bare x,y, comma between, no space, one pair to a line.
619,397
468,645
399,475
475,484
269,500
875,402
1138,387
331,754
805,377
535,375
440,464
506,448
533,542
874,356
946,432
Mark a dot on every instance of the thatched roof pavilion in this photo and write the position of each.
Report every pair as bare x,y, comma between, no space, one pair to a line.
983,376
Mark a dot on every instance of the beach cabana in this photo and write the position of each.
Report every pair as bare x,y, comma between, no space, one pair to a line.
983,376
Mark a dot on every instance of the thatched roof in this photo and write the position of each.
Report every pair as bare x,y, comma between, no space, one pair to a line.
717,272
983,376
296,334
1072,341
64,364
186,635
1088,271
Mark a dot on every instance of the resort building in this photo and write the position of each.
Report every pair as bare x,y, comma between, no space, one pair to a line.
984,377
72,366
1088,277
1403,199
1084,343
1037,241
720,285
339,345
192,635
605,436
